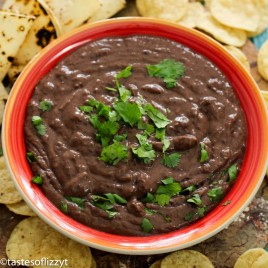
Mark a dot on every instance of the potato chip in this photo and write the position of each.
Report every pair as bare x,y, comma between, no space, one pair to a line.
194,11
156,264
32,239
186,259
14,28
220,32
41,33
261,262
8,191
3,99
237,53
262,61
73,13
240,14
107,9
165,9
21,208
249,257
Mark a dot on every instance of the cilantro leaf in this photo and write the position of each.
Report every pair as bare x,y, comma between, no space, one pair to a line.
215,194
64,207
190,189
145,150
189,216
116,199
124,93
114,153
168,180
195,199
149,129
86,108
146,225
77,200
162,199
37,180
30,157
129,112
37,120
171,160
232,172
204,153
45,105
201,211
159,119
149,198
120,138
125,73
169,70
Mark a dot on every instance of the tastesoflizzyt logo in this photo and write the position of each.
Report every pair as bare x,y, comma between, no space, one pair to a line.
41,262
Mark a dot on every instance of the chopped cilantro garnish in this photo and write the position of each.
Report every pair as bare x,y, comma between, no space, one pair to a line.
189,216
149,211
125,73
129,112
124,93
159,119
149,198
232,172
39,125
215,194
148,128
45,105
114,153
77,200
64,207
111,213
168,180
145,150
204,153
190,189
226,203
30,157
201,211
120,138
115,199
146,225
169,70
171,160
86,108
37,180
160,135
195,199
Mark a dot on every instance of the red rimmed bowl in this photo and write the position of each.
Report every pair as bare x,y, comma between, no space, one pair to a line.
248,181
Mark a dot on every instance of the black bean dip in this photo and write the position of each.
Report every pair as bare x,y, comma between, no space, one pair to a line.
99,153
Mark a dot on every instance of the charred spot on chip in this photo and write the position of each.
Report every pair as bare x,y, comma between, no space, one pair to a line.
43,10
10,59
21,28
44,37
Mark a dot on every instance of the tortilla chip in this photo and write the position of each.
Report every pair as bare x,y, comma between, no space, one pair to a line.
156,264
262,61
3,99
165,9
186,259
237,53
194,11
222,33
261,262
32,239
8,191
247,259
41,33
21,208
240,14
73,13
265,96
14,28
107,9
14,72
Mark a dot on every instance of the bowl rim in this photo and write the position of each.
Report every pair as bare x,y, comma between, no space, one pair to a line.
185,237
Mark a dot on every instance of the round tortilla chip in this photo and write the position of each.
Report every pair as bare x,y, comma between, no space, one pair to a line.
165,9
3,99
194,11
186,259
33,239
237,53
240,14
222,33
249,257
261,262
21,208
262,61
8,191
265,96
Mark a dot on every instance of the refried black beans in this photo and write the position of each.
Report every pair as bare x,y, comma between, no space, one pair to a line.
135,135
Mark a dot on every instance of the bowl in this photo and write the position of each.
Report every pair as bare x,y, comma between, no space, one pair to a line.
242,192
